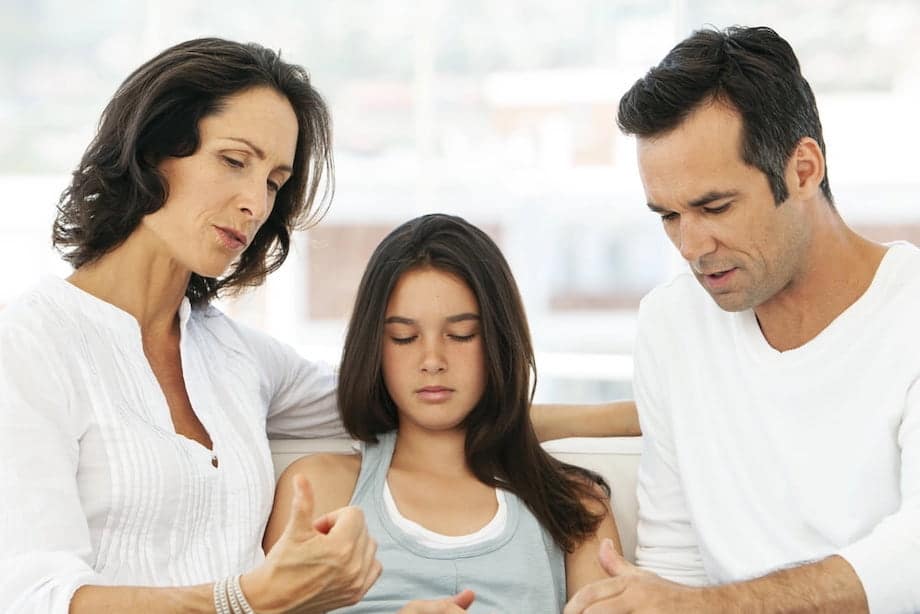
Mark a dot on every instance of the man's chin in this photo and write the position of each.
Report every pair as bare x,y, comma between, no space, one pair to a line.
730,301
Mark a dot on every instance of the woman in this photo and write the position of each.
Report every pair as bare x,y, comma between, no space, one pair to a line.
437,378
133,415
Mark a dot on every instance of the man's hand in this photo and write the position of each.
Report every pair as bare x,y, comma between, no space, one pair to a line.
315,566
451,605
630,589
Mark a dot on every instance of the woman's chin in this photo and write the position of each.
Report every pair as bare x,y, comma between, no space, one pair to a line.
212,269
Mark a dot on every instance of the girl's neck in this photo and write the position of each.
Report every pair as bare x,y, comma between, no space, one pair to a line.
434,452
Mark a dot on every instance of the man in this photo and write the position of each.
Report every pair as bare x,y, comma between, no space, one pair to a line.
778,380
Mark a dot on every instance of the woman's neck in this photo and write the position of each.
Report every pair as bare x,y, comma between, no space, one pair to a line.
138,279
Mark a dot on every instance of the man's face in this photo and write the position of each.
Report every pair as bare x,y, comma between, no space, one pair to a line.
719,212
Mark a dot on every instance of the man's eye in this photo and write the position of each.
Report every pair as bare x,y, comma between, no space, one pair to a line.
717,210
667,217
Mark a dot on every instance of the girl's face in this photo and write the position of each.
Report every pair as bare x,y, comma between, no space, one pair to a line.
433,362
221,195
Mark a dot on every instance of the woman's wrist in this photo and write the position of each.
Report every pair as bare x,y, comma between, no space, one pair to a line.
229,597
253,586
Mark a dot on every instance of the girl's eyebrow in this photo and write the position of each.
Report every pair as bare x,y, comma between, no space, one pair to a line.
460,317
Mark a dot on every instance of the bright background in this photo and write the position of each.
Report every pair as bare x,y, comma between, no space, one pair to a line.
499,111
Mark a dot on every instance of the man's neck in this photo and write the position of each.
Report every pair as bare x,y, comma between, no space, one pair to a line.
137,279
838,269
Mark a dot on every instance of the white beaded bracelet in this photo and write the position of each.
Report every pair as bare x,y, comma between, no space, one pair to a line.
229,597
236,591
221,602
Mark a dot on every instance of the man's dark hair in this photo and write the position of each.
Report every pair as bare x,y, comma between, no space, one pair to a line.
501,447
154,115
754,71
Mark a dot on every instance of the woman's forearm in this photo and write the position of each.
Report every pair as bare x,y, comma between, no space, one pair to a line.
92,599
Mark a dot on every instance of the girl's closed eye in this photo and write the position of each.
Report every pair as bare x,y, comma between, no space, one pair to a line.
464,338
403,340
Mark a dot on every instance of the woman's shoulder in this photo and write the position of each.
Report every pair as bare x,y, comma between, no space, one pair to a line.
218,329
40,319
44,303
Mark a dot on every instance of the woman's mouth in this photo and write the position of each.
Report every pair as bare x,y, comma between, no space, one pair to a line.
230,238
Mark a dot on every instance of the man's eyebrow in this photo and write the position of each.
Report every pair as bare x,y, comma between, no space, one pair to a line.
712,196
258,151
460,317
700,201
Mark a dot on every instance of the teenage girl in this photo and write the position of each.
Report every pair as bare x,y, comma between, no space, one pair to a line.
436,380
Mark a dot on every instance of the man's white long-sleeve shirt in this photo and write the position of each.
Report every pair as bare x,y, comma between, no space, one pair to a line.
757,460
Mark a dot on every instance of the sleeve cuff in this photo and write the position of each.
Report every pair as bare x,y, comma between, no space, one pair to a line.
888,574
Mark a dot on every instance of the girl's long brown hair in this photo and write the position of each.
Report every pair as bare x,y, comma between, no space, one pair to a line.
502,449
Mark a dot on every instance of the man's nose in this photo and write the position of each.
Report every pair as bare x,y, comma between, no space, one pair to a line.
694,239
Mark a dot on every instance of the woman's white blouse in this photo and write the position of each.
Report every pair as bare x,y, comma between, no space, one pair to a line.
96,487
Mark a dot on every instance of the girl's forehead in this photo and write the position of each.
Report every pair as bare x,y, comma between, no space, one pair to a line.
429,290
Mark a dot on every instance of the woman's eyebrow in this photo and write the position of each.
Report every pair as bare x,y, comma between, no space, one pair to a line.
258,151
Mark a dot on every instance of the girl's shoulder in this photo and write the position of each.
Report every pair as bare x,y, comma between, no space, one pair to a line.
332,478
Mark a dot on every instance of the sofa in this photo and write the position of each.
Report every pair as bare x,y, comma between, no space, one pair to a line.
615,458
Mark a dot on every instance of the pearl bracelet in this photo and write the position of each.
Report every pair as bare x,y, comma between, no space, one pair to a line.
221,602
229,597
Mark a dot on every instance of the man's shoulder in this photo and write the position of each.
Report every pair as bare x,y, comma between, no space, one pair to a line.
896,286
905,259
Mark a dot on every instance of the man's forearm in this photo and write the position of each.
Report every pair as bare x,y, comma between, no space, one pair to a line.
556,421
829,585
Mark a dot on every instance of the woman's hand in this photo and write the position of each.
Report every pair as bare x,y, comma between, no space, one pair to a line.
451,605
314,566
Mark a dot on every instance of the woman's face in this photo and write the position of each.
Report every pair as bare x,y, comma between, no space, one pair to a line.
433,360
221,195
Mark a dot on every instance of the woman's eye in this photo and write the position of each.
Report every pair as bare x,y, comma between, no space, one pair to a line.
402,340
273,186
234,162
463,338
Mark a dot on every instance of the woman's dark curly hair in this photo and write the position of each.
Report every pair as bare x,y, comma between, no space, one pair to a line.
154,115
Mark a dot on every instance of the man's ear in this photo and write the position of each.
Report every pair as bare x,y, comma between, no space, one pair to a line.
805,170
